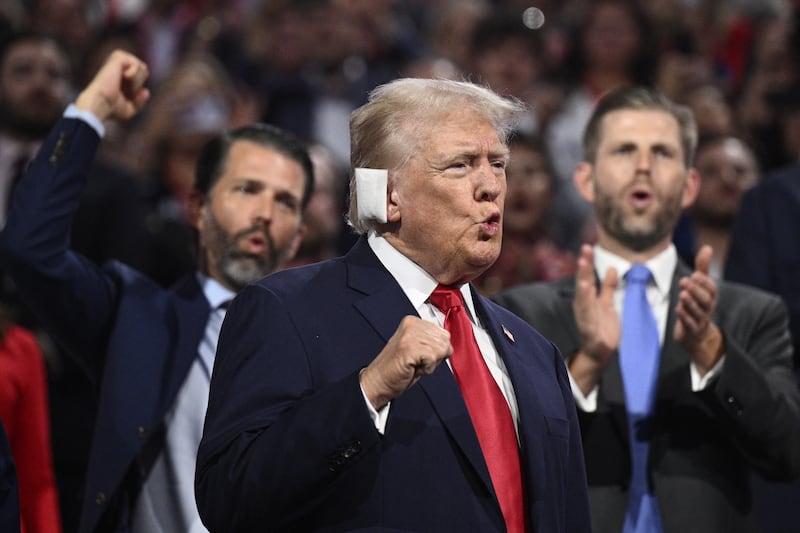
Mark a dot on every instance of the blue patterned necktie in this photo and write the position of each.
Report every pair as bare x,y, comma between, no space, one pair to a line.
639,355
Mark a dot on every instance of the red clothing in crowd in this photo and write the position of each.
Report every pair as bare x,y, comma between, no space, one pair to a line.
24,411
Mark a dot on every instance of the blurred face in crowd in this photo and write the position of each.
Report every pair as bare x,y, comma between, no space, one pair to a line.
324,214
509,67
447,200
529,192
34,87
251,221
638,182
611,37
727,169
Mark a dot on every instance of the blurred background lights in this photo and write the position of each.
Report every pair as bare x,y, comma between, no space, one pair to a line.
533,18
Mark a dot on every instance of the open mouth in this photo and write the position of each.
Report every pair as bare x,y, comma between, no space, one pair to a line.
641,197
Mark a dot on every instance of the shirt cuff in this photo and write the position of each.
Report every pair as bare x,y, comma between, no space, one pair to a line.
86,116
379,418
586,403
701,382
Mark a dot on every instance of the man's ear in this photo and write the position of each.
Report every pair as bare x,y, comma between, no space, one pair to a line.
393,211
691,187
296,240
197,201
583,177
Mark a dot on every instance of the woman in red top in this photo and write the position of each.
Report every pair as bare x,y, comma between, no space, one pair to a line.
24,412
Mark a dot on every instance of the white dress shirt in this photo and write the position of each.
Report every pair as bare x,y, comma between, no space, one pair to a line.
166,502
662,267
418,286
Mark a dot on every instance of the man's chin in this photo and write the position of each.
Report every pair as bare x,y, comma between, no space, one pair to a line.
246,269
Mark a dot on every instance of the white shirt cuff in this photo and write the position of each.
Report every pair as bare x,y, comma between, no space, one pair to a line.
86,116
701,382
379,418
586,403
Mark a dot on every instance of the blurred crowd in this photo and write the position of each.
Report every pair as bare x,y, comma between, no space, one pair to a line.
304,65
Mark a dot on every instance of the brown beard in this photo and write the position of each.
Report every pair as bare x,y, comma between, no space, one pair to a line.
613,222
238,268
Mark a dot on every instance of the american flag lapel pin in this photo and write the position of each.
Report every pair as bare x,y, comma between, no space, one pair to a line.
508,333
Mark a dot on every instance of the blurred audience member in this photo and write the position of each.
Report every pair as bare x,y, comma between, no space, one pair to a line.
190,107
449,26
727,169
507,56
611,48
530,251
765,252
773,70
325,212
433,67
35,87
67,20
711,109
25,415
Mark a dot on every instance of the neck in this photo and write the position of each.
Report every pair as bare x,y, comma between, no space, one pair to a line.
630,255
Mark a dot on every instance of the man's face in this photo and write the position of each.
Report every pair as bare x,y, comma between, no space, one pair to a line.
727,170
251,223
639,182
448,199
529,192
34,88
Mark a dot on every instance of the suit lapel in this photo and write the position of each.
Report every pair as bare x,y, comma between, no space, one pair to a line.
383,306
188,322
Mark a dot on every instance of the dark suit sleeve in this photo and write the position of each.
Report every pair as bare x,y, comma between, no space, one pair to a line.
757,393
275,443
72,296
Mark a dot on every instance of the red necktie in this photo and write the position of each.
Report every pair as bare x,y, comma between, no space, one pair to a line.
487,407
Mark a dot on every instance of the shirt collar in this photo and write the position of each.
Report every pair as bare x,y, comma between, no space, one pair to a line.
416,283
214,291
662,266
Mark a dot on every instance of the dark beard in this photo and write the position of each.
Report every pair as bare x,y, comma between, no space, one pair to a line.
238,268
638,240
24,126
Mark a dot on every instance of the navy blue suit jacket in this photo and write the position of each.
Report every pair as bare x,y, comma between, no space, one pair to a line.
765,253
137,338
289,444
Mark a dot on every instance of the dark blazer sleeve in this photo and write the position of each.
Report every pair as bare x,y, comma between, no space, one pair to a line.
73,297
279,441
764,250
757,395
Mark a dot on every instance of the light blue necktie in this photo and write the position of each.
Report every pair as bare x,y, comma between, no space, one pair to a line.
639,354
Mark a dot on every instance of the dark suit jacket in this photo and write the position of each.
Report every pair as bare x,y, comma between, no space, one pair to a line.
289,444
137,338
765,242
765,253
705,444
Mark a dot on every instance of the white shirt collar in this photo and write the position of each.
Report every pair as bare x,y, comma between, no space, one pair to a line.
214,291
662,266
416,283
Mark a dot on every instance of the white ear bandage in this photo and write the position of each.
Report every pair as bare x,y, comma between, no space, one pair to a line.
371,190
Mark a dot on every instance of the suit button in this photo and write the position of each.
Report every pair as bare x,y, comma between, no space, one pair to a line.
142,432
734,405
100,499
352,449
336,463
